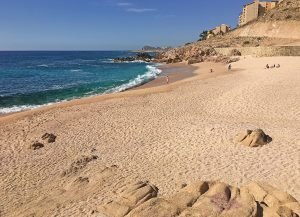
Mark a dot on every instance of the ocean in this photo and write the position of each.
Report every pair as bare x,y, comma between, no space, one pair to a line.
36,78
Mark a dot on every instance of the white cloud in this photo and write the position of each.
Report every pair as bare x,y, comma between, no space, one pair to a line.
124,4
140,10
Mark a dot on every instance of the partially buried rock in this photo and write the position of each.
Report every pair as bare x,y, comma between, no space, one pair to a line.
50,137
131,197
36,146
255,138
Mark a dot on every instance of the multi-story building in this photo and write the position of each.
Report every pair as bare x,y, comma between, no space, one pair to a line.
255,9
222,29
219,30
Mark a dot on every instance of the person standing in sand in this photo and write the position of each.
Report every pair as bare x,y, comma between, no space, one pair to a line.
167,79
229,67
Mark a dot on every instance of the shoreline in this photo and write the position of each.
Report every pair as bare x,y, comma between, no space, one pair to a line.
177,72
170,135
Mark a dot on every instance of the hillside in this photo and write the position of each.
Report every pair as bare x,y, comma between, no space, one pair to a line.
288,10
277,32
281,22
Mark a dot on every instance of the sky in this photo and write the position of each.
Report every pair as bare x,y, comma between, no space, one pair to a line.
109,24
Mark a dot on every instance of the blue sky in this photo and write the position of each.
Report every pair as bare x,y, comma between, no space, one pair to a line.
109,24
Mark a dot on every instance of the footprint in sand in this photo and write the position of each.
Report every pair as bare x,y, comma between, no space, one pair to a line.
36,145
49,137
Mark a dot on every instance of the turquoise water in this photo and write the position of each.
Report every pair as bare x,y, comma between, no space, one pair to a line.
33,79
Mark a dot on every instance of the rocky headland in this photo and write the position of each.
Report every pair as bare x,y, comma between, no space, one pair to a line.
145,57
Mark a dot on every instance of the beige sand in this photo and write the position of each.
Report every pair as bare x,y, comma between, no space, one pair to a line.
169,135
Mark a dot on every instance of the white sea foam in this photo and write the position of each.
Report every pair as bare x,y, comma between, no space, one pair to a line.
134,61
43,65
20,108
151,74
76,70
112,61
107,61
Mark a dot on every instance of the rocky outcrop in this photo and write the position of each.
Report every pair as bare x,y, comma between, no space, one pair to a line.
255,138
129,198
195,60
203,199
235,52
193,54
145,57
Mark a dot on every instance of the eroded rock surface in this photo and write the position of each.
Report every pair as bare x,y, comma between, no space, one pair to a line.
255,138
79,164
203,199
130,197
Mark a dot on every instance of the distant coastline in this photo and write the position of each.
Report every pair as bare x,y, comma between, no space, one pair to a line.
147,51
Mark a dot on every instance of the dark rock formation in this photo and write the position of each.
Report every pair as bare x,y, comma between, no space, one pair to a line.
36,146
139,57
49,137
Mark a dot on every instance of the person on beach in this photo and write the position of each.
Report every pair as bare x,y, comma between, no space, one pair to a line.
267,66
229,67
167,79
211,70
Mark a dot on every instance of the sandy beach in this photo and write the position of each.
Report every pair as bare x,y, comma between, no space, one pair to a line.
166,134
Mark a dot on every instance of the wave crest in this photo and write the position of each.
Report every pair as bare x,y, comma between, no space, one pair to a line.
151,74
20,108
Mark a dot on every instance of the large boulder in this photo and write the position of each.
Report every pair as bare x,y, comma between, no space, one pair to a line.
235,52
177,59
253,138
195,60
